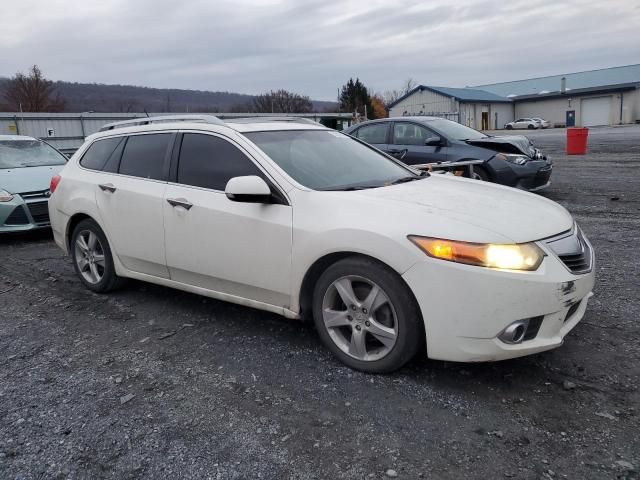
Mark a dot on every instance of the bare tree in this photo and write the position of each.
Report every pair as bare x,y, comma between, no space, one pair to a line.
128,105
391,96
33,93
281,101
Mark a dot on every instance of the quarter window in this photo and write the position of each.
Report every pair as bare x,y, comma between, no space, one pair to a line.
210,162
144,156
103,152
376,133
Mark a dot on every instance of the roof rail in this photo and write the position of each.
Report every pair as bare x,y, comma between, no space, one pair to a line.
163,119
261,119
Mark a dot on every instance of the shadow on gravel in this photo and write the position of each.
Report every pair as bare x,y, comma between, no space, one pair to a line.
17,238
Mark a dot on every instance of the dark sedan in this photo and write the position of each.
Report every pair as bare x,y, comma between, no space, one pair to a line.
508,160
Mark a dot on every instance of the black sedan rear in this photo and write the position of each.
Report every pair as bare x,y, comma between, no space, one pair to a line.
508,160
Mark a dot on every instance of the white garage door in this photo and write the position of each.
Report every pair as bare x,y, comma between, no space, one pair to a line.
595,111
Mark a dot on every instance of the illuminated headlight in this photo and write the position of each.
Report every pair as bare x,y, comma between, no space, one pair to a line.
520,256
5,196
517,159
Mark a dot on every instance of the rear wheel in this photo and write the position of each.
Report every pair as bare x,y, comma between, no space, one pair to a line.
531,127
92,258
366,315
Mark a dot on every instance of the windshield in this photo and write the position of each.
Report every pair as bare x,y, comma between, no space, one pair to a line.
28,153
454,130
327,160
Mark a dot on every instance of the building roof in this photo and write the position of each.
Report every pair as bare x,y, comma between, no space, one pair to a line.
579,80
460,94
621,87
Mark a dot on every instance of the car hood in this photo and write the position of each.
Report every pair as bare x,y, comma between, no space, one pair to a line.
456,205
27,179
518,144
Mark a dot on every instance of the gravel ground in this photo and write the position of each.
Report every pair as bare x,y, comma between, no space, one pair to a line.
150,382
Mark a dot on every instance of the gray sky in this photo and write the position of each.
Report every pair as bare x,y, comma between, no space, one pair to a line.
314,46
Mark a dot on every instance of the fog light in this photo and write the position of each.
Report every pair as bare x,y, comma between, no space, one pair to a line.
514,333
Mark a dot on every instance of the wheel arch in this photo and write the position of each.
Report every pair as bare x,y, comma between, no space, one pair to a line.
317,268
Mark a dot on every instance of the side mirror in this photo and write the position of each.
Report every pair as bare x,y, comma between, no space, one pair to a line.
250,189
433,142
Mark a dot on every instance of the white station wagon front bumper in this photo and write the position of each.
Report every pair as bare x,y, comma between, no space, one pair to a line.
467,308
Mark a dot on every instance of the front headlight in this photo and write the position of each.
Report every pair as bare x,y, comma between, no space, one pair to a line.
520,256
5,196
513,158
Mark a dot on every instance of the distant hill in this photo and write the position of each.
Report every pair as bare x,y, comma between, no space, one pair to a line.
83,97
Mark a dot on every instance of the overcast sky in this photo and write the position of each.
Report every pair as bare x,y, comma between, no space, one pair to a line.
314,46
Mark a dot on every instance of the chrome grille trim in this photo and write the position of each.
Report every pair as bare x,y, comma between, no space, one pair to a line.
573,249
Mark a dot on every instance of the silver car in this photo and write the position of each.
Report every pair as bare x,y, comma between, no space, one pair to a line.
26,167
528,123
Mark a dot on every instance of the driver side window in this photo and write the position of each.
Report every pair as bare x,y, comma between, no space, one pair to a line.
410,134
210,162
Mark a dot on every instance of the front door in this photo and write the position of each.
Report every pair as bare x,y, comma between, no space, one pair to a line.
410,138
131,204
238,249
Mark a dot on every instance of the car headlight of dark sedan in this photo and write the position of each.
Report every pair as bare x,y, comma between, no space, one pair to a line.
513,158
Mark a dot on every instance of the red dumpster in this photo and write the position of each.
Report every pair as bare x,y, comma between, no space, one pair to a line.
577,141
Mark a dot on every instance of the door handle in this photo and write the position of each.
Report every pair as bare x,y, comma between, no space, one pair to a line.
107,187
179,202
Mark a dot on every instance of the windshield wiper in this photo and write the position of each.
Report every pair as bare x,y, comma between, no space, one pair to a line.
349,188
407,179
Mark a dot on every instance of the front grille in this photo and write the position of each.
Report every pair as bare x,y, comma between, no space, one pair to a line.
573,249
37,194
39,211
17,217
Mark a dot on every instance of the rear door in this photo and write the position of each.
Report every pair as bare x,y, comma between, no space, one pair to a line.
410,137
239,249
130,201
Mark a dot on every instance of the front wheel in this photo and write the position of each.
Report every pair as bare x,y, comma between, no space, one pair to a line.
92,259
366,315
531,127
480,173
509,127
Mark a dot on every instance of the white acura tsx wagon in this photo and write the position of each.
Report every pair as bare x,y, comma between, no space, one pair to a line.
304,221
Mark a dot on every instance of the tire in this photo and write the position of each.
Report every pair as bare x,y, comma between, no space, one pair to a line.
531,127
390,334
92,258
479,173
509,127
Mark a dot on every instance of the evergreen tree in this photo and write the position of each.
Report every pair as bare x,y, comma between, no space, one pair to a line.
354,97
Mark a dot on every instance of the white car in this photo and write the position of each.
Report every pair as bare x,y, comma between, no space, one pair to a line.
528,123
542,122
301,220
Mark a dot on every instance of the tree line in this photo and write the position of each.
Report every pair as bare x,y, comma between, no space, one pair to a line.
32,92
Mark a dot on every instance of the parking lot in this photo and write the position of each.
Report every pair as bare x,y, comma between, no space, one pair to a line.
156,383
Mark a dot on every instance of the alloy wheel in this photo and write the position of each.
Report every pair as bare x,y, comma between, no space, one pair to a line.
360,318
89,256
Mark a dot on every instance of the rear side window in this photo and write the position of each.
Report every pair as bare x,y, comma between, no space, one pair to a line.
210,162
376,133
102,152
144,155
